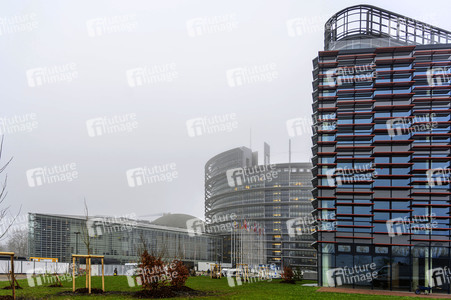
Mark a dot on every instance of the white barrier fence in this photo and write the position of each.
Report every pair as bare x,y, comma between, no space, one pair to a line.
24,267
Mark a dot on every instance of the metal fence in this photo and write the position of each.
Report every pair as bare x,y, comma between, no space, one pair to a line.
34,267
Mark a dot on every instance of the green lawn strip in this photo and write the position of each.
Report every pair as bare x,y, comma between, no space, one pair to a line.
217,289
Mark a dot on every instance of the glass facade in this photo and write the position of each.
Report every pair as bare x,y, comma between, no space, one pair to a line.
270,202
381,162
57,236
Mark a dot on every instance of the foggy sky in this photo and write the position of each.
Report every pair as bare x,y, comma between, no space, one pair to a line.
73,69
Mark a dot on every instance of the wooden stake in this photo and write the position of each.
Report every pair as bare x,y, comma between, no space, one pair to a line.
89,275
86,272
103,277
12,275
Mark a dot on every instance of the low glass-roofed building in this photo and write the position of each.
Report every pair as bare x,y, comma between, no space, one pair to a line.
118,238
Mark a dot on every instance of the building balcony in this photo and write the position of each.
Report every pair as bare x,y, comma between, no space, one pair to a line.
389,72
356,113
355,237
327,98
344,192
328,64
432,87
354,148
429,193
432,63
393,141
394,107
395,165
355,136
394,60
390,187
430,147
381,176
391,199
355,91
334,108
327,142
392,153
356,102
360,125
392,210
427,158
435,100
431,52
355,56
341,159
354,204
393,83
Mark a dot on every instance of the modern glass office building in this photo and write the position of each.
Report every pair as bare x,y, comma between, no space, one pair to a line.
381,146
119,238
268,194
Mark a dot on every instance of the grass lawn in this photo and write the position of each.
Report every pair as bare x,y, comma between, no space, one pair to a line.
218,289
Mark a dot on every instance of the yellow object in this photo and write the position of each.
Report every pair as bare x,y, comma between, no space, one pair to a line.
44,259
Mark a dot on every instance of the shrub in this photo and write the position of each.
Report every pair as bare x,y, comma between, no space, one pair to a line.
153,274
179,273
287,274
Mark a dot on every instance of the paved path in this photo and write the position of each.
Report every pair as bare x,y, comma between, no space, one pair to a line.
380,292
18,276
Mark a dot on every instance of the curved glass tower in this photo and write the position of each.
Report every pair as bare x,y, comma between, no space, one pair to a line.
269,195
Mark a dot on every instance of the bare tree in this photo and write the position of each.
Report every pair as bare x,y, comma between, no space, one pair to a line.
85,236
18,242
3,193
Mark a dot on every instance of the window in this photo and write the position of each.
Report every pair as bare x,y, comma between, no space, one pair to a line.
344,248
381,250
362,249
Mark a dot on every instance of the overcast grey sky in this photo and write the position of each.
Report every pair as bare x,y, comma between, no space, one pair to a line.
152,68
